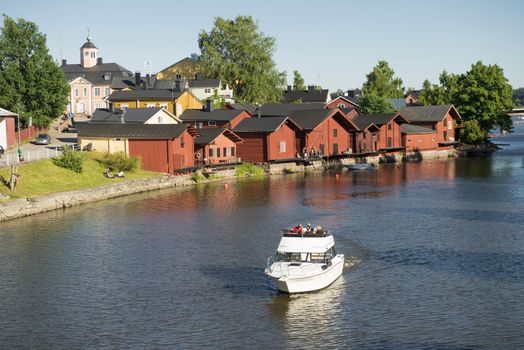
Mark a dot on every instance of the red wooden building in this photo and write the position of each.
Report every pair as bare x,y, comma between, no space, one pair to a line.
342,102
216,145
441,118
328,131
7,128
367,138
218,118
389,137
161,147
267,139
417,138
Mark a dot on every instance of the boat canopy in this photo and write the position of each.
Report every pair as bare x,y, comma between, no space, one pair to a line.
306,244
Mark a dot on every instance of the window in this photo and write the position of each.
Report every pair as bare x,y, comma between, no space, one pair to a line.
365,134
390,142
182,142
341,105
450,124
124,105
218,152
107,77
434,138
335,148
76,92
150,105
321,148
97,91
159,119
207,90
335,132
211,152
178,76
282,147
212,123
86,53
390,126
199,125
225,151
163,105
92,55
232,151
445,136
85,91
108,91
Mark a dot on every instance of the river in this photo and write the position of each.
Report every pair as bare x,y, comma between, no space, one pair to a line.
435,260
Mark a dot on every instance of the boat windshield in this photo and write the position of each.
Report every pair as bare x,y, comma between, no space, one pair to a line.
305,257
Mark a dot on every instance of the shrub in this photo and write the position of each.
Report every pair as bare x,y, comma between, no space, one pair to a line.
473,133
197,177
70,160
120,162
248,169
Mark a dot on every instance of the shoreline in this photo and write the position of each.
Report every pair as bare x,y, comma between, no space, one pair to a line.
24,207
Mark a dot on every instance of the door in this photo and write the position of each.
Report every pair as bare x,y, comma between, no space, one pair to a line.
80,108
335,148
321,147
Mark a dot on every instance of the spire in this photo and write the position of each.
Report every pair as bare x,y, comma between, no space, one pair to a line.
88,35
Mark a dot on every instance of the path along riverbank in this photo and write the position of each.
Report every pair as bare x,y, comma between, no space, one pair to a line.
29,206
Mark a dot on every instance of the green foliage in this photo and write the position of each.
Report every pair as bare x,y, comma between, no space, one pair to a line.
120,162
197,177
236,52
218,101
382,82
473,133
373,103
69,159
29,79
518,97
248,169
298,81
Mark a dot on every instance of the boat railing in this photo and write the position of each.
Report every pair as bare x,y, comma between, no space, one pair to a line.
286,232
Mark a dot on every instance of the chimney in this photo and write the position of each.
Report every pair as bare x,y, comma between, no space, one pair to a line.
177,85
122,116
289,88
64,62
311,88
138,81
99,60
259,114
209,106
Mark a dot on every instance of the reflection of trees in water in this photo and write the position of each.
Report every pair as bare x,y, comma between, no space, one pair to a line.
312,320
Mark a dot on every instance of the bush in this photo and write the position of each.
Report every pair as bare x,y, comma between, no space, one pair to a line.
197,177
473,133
248,169
70,160
120,162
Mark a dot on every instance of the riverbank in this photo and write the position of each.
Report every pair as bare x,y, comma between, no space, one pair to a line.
21,207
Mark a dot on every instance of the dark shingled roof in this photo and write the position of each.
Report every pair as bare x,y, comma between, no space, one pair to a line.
351,100
268,124
131,115
397,103
204,83
427,113
130,131
89,45
415,129
248,107
207,135
97,73
282,109
312,95
377,119
217,114
143,95
310,119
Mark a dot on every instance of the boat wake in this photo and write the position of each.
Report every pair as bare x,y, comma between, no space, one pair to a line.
350,262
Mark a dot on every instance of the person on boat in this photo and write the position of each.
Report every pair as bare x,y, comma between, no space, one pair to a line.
308,228
296,229
318,230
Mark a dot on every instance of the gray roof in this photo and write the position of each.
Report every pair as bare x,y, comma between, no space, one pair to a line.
130,131
131,115
204,83
207,135
248,107
311,95
268,124
97,73
282,109
310,119
377,119
132,95
415,129
6,113
217,114
428,113
89,45
397,103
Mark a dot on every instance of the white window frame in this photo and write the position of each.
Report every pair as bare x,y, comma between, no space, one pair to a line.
108,91
85,91
450,124
164,105
207,90
150,105
282,147
97,91
160,119
212,123
124,105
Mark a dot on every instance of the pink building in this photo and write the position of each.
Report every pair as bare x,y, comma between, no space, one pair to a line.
92,80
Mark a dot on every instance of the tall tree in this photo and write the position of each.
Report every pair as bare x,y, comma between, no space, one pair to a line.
382,82
372,103
30,81
298,81
444,93
240,55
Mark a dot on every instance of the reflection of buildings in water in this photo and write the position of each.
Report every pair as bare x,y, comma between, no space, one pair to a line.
310,319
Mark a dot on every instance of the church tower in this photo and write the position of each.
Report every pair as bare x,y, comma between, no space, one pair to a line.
88,53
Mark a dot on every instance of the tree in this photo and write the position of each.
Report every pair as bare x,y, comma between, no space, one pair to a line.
383,83
473,133
298,81
484,94
218,101
440,94
518,97
236,52
30,81
372,103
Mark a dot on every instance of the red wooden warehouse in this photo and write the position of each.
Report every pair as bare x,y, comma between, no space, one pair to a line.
389,137
216,145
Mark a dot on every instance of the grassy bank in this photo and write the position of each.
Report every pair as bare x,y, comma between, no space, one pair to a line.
43,177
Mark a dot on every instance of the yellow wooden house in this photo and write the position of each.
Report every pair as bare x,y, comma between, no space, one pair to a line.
186,69
175,102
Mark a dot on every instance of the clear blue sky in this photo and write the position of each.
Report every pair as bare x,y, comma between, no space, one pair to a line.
334,43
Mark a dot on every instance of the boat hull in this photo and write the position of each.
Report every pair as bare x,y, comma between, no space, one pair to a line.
303,284
359,167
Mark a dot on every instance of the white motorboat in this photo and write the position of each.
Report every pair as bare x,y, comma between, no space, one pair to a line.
305,262
360,166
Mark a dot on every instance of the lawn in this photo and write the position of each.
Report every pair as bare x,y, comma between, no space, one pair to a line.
43,177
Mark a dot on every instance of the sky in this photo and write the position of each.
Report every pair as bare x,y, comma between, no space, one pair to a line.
331,43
